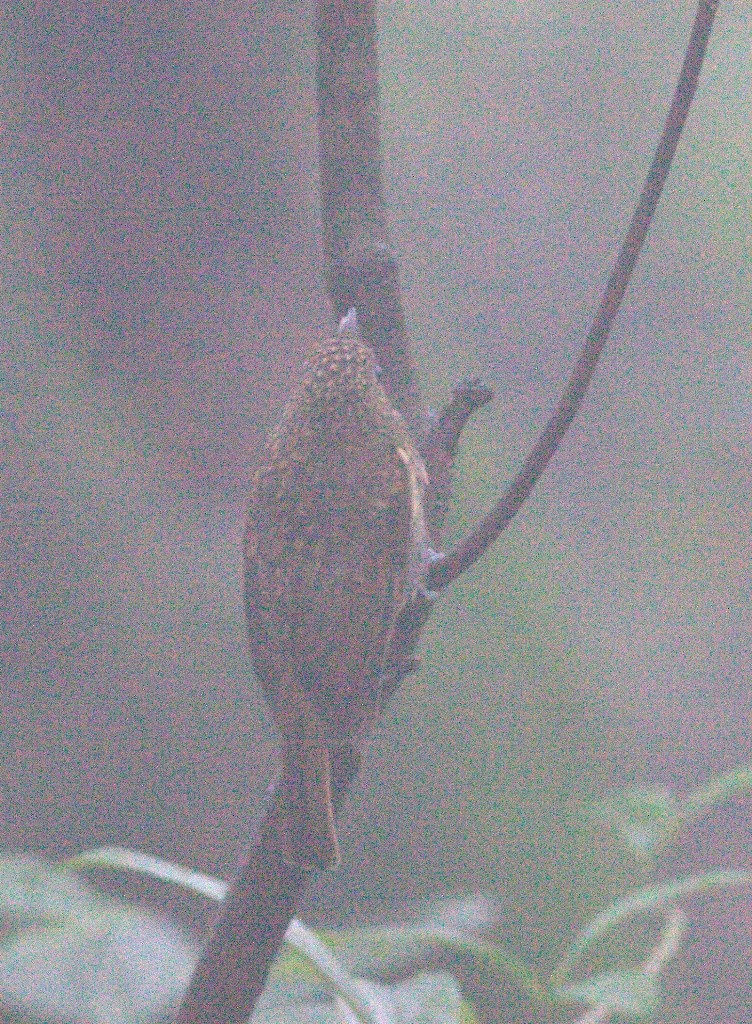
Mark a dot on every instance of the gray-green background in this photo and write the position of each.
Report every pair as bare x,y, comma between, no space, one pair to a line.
160,281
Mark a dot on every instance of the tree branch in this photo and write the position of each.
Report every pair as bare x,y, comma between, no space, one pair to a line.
440,447
361,267
253,918
471,549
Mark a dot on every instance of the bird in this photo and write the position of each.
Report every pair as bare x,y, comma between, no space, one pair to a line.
336,546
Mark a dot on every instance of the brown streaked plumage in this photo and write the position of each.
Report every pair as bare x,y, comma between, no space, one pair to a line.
335,547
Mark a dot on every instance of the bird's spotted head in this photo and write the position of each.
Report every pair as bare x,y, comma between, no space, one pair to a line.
341,377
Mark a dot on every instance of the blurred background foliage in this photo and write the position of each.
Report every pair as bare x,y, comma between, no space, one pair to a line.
159,245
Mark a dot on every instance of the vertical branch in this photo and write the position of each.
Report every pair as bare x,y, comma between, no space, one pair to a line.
233,967
361,267
254,917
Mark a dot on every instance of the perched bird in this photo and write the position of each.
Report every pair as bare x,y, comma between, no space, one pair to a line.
335,547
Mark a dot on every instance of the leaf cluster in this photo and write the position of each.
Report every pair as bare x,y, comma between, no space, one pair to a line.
70,955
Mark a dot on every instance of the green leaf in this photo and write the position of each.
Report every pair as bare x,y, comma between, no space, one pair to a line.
645,901
397,949
32,891
632,994
467,914
361,999
718,791
425,999
118,858
98,962
318,960
644,818
649,818
362,949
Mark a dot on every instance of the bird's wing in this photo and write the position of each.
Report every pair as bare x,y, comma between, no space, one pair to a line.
324,582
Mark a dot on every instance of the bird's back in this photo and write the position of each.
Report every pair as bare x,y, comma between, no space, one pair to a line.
330,551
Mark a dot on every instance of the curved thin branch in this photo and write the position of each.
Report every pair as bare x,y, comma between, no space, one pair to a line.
471,549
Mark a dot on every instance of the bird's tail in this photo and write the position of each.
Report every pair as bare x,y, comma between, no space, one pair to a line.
307,796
